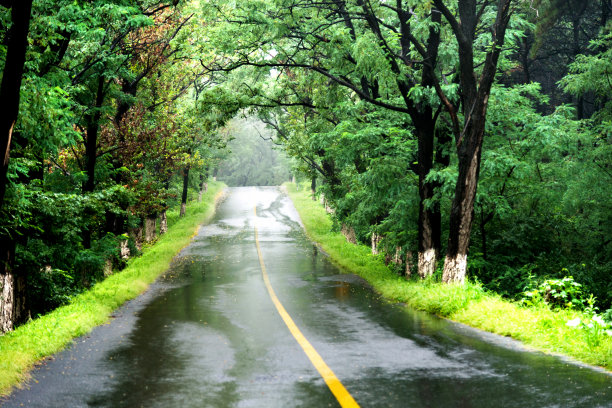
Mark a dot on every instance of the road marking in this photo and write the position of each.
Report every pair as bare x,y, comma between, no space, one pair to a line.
342,395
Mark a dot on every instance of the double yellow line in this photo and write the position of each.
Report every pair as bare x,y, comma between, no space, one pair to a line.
342,395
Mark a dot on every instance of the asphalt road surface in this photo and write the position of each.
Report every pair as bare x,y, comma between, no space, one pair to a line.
207,334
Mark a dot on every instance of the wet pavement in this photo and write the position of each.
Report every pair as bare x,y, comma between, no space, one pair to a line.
207,335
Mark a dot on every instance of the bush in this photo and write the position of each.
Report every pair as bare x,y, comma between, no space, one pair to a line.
49,289
564,293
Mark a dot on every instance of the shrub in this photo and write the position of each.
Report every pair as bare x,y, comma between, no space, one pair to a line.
564,293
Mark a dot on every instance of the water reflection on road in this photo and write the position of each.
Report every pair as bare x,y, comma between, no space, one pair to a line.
211,337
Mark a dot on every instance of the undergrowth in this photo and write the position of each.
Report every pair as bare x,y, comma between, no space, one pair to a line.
537,326
31,342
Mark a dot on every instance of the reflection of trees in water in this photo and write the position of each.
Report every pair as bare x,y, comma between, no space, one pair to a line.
253,161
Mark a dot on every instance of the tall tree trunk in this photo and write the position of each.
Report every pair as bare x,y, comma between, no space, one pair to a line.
430,215
185,189
12,286
462,209
91,150
11,82
430,219
475,91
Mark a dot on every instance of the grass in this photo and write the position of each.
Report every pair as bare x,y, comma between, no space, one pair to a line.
21,349
537,327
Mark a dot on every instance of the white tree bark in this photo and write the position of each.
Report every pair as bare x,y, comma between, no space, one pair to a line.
150,228
455,269
163,223
7,285
427,263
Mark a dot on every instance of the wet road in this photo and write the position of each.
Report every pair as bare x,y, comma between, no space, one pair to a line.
208,335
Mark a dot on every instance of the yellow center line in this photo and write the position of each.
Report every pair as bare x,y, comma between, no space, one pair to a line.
342,395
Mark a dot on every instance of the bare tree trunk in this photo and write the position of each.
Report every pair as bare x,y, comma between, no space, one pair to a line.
375,242
349,233
150,227
163,223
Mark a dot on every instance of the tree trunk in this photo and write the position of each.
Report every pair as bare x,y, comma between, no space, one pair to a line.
475,91
395,258
91,144
150,227
163,223
185,189
7,285
203,187
136,234
12,285
124,249
409,264
349,233
430,219
375,242
11,82
12,288
462,212
313,187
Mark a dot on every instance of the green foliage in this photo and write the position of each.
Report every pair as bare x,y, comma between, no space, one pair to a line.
557,293
49,289
21,349
536,326
594,327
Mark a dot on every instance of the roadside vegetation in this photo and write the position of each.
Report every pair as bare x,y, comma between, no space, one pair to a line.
467,141
22,348
539,320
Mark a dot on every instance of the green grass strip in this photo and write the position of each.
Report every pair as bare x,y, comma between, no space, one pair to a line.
42,337
537,327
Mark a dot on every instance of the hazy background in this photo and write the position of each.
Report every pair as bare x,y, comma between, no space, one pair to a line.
251,160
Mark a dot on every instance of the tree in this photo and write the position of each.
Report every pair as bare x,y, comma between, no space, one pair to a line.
379,52
11,306
475,91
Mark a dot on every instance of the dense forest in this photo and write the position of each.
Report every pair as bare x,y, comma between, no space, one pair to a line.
105,133
467,139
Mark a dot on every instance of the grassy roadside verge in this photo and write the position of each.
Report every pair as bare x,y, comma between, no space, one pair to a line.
537,327
22,348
